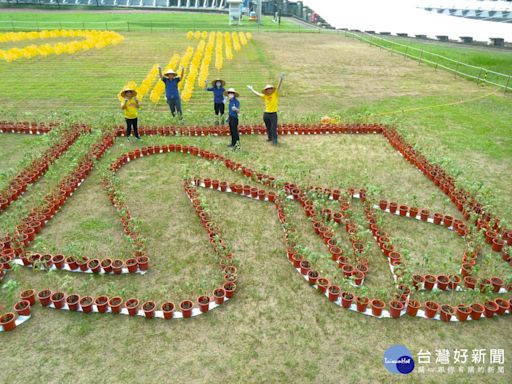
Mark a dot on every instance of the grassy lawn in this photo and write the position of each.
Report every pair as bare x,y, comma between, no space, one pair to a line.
484,59
276,329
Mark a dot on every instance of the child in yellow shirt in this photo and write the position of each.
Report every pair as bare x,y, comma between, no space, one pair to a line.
131,111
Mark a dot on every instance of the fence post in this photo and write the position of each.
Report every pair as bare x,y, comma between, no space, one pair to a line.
106,26
479,73
421,56
456,69
128,25
12,25
60,25
506,86
405,54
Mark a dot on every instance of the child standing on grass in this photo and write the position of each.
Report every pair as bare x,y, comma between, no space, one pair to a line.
233,109
218,98
130,106
172,93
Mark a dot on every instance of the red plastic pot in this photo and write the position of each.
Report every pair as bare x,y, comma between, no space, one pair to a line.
323,284
22,308
115,303
143,263
477,310
430,281
438,217
149,308
117,266
305,266
362,303
446,312
469,282
186,307
333,292
377,307
168,310
346,299
462,312
230,288
71,262
403,210
424,214
431,308
497,284
86,303
106,265
29,295
59,261
131,264
395,308
412,307
312,276
442,282
73,301
132,305
58,299
490,309
204,303
218,295
102,303
503,305
8,321
94,265
44,297
393,207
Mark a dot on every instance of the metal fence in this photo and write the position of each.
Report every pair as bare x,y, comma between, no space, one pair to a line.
479,74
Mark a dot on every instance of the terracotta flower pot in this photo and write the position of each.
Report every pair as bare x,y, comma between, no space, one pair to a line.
8,321
497,284
106,265
132,305
377,307
312,276
149,308
117,266
469,282
442,282
115,303
168,310
94,265
424,214
73,301
186,307
59,261
430,281
131,264
230,288
22,308
102,303
143,263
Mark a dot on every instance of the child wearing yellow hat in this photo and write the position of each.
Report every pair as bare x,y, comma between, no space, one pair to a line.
130,105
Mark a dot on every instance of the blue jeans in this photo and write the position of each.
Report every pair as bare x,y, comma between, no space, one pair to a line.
175,106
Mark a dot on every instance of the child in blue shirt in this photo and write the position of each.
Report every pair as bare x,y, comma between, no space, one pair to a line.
172,93
233,109
218,98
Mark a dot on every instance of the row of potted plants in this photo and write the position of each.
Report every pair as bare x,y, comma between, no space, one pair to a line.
18,185
26,127
283,129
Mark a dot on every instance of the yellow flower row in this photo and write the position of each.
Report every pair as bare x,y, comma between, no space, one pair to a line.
229,46
219,57
236,42
193,72
93,40
204,71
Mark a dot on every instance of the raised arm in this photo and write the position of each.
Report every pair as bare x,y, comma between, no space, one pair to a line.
251,88
123,106
160,72
281,78
182,71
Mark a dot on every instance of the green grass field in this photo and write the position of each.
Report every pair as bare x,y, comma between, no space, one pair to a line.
276,329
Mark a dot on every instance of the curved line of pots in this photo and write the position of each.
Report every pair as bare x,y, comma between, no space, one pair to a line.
18,185
283,129
99,149
30,128
463,200
115,305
